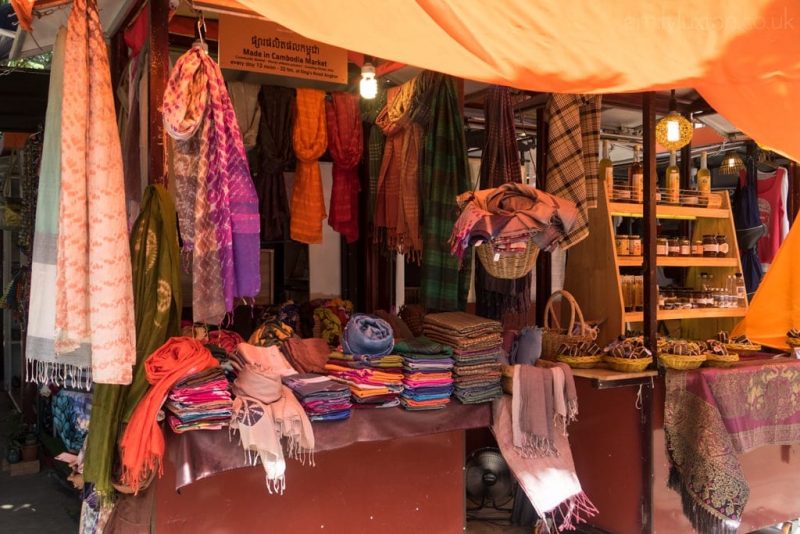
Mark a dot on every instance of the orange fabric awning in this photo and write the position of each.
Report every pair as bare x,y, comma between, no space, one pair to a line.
743,56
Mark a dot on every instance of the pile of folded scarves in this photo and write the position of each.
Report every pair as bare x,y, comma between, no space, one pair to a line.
427,377
201,401
322,399
477,351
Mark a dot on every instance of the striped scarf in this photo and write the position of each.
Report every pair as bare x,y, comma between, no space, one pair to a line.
375,140
345,140
310,139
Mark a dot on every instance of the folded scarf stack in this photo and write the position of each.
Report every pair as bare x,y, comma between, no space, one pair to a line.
201,401
427,377
371,387
306,355
477,351
323,399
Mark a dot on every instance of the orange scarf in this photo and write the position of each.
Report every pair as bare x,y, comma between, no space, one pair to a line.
310,139
24,11
142,443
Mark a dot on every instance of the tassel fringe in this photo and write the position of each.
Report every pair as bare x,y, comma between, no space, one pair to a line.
572,512
703,518
59,374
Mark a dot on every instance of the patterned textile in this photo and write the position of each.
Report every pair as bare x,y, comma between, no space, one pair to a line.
71,410
397,203
574,138
225,235
310,139
444,175
375,141
94,295
275,155
710,416
367,335
29,186
345,141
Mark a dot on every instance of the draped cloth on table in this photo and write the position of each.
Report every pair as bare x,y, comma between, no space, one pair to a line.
713,415
94,295
157,305
573,146
500,164
659,45
346,143
275,155
310,139
397,203
444,174
375,140
217,203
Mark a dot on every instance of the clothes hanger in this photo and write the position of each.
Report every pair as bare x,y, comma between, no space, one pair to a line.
201,32
765,163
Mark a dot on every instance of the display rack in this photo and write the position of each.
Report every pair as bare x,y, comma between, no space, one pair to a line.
593,269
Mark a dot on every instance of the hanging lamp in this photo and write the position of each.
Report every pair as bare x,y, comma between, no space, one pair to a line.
731,164
674,131
369,84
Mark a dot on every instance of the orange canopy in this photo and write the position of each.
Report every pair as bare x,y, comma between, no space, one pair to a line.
743,56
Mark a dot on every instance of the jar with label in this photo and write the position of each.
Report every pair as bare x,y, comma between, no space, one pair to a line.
674,247
697,248
635,245
686,247
662,246
722,242
710,246
623,245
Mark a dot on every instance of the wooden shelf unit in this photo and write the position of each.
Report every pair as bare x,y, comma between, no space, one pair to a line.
593,270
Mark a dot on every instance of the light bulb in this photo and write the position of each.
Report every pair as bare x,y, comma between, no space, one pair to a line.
731,162
369,85
673,130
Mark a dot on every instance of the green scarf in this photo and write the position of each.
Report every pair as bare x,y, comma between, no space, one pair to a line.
444,174
157,304
375,141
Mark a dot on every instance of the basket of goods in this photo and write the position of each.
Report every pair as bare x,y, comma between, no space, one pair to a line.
583,355
554,337
628,356
508,261
793,337
682,355
717,355
737,344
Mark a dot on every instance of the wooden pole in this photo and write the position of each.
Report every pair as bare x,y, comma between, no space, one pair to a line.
544,276
158,75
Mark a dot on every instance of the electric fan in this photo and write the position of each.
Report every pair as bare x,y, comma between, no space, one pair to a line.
488,480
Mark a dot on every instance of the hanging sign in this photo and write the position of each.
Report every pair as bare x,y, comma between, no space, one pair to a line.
254,45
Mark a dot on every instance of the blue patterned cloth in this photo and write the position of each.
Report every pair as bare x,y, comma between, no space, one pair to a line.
367,335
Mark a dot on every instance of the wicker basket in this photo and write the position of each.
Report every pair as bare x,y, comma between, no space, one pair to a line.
742,348
505,264
793,341
681,362
628,365
580,362
555,336
718,360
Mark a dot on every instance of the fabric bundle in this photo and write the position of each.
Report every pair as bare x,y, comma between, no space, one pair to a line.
306,355
217,203
427,378
345,142
367,335
477,351
323,399
265,411
142,443
370,386
310,139
201,401
227,340
397,202
93,288
330,317
275,156
573,152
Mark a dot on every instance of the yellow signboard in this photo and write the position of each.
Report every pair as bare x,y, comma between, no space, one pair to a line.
261,46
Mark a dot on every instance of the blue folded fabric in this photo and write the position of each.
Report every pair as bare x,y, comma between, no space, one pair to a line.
528,347
367,335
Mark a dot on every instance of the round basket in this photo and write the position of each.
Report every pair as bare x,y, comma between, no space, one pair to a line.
555,336
793,341
718,360
505,264
628,365
681,362
742,348
580,362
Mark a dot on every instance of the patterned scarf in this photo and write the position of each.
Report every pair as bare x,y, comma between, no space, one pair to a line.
345,140
94,295
574,144
215,190
397,205
375,141
274,157
310,139
444,174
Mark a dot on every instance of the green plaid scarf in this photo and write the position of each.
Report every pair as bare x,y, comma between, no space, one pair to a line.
157,305
375,141
443,175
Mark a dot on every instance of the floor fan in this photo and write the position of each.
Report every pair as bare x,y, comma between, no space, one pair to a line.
488,480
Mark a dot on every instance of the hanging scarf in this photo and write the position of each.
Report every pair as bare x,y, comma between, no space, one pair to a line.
444,175
244,99
310,139
215,190
345,140
157,305
142,443
500,164
94,296
397,206
275,156
375,141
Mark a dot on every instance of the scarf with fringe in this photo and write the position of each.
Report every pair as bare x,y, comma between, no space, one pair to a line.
345,142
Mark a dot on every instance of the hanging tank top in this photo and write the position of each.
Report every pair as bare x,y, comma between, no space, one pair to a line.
772,212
